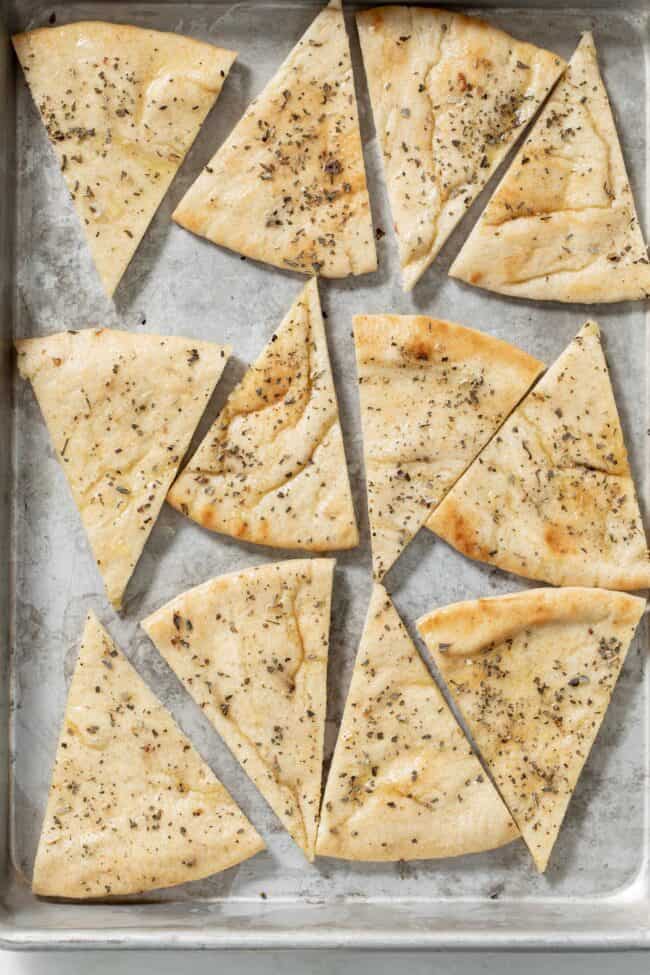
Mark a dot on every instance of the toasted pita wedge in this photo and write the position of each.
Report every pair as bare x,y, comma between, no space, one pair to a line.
533,674
404,783
251,649
132,806
122,106
432,394
562,225
288,186
552,497
272,468
121,410
450,95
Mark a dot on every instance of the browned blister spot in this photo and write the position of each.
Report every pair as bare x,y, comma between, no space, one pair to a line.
560,540
462,534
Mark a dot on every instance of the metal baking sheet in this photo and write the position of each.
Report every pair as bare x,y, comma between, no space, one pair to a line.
596,892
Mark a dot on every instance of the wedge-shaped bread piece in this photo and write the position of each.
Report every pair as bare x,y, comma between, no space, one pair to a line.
432,394
251,648
552,497
562,224
272,467
121,410
288,186
132,806
404,783
450,95
532,674
122,105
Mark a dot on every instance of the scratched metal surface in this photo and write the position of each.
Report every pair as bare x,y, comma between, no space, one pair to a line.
596,889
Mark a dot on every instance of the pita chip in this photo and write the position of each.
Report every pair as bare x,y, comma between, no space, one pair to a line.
121,409
450,95
122,105
552,497
272,468
288,186
404,783
251,648
432,394
132,806
533,674
562,225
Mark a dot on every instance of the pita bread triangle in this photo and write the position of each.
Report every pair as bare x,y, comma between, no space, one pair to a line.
432,394
132,806
251,648
404,783
552,497
532,674
121,410
562,225
122,105
288,186
272,468
450,95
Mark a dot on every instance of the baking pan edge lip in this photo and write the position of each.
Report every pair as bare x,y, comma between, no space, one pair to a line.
36,939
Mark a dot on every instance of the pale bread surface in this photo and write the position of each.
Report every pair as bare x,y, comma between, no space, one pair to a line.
562,225
532,674
251,648
121,409
288,186
450,96
404,783
122,105
132,806
432,393
272,468
552,496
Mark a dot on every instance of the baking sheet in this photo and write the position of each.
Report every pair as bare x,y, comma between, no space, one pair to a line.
180,284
